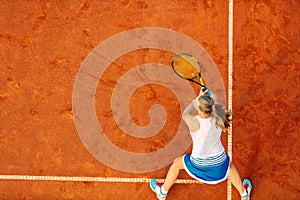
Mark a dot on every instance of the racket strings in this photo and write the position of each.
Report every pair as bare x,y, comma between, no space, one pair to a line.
186,66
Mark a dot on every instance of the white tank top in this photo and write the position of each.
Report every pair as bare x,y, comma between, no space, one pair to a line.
206,140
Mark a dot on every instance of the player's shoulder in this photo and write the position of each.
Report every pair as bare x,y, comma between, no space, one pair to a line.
191,121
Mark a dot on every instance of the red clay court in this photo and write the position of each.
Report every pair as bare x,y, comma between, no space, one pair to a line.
43,46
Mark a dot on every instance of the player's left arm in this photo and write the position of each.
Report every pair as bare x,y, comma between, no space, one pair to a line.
189,119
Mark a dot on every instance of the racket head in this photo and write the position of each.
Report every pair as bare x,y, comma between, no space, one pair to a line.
186,66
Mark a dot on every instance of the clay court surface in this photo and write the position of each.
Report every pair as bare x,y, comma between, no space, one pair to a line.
44,43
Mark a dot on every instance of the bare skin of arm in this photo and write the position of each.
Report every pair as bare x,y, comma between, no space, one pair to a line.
187,116
189,119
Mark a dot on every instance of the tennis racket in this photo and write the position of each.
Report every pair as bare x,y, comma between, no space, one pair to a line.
188,67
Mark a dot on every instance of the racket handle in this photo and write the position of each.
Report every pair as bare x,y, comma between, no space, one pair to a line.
208,93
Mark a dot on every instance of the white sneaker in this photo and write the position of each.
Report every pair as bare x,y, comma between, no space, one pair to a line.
156,187
248,187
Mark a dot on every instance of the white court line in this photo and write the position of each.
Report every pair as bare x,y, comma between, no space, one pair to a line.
230,72
89,179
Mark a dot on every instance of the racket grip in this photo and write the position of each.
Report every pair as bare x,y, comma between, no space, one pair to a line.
208,93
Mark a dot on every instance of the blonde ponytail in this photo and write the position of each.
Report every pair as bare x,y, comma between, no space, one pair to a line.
221,117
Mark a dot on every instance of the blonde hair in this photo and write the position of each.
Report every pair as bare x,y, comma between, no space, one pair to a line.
208,106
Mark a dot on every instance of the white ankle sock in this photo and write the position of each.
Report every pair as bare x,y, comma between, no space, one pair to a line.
244,194
162,190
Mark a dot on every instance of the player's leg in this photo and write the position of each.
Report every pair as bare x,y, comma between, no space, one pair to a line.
173,173
243,188
235,178
160,189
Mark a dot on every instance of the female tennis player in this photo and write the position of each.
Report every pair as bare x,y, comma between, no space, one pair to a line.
208,162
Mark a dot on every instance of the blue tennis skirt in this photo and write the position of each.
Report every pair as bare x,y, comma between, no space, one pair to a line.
212,170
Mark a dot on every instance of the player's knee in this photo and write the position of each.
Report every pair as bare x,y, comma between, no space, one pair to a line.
177,163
